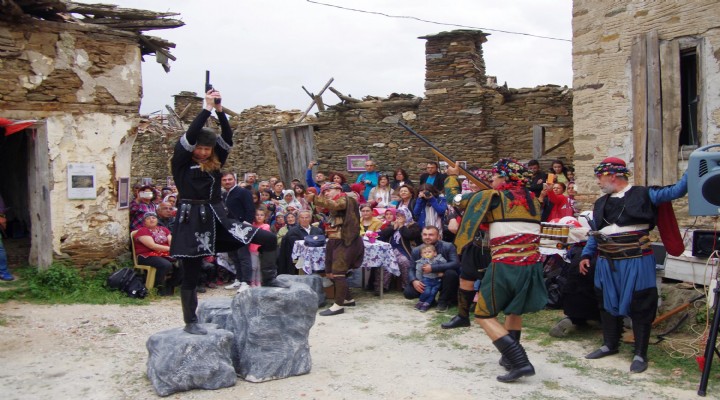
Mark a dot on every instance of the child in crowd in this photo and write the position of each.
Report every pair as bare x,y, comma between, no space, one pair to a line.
431,280
259,222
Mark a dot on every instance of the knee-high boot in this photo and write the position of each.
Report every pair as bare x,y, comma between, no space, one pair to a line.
642,340
462,319
515,354
268,269
188,298
612,328
503,360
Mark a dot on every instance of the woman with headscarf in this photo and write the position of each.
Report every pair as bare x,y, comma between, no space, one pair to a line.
204,227
403,234
290,222
289,203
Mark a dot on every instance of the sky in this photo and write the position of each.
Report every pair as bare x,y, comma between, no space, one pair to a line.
261,52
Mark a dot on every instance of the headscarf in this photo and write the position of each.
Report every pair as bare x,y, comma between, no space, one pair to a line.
405,212
284,204
612,166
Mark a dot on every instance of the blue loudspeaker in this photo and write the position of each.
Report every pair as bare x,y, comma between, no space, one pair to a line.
704,181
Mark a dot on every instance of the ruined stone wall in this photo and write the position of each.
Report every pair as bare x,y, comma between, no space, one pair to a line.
603,32
84,87
461,113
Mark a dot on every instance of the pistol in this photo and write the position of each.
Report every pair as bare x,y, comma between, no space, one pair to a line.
208,86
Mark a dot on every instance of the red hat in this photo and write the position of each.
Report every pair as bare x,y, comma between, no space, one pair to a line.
614,161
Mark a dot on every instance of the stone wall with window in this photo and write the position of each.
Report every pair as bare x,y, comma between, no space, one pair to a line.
634,64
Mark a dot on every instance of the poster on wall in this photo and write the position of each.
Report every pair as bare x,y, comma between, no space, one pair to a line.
81,181
356,162
123,193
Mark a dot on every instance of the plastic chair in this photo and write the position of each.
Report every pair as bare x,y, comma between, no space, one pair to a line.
149,271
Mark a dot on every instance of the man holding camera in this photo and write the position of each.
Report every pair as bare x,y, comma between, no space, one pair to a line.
369,178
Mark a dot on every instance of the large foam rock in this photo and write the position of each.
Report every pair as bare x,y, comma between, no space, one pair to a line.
215,310
271,327
315,282
179,361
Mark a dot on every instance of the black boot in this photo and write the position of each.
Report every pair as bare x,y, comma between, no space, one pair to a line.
268,270
503,360
515,354
612,327
188,298
642,339
462,319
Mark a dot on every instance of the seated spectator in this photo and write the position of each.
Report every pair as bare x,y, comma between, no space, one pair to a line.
369,178
251,180
430,207
407,198
263,185
433,177
358,189
559,172
166,215
535,182
388,218
380,195
401,178
300,196
450,270
574,204
278,191
260,222
402,234
143,204
288,203
303,228
152,247
290,222
278,223
430,280
340,179
560,204
171,199
368,222
319,177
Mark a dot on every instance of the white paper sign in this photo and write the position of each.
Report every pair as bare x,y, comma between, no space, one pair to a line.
81,181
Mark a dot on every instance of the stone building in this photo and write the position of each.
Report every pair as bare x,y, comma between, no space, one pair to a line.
463,112
645,81
81,84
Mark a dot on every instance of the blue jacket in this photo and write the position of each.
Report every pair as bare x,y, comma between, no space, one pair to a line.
439,204
310,181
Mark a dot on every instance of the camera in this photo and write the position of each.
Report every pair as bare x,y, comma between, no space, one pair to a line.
427,194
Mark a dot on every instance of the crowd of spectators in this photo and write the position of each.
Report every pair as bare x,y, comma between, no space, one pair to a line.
403,210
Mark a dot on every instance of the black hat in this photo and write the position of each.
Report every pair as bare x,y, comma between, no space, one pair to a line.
206,137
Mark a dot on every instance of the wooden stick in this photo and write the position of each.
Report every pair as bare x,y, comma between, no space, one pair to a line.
346,98
315,100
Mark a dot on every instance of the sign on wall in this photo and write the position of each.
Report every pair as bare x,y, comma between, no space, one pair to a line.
123,193
81,181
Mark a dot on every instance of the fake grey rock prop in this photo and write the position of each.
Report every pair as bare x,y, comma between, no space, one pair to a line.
215,310
179,361
271,328
314,281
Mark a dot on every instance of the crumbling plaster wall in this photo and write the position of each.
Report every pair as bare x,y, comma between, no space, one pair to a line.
602,38
84,84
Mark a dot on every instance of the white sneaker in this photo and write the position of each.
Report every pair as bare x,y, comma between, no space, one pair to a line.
234,285
243,287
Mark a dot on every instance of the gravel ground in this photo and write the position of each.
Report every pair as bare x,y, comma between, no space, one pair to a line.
381,349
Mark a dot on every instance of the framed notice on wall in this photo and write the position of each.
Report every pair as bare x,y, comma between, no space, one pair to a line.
123,193
356,162
81,181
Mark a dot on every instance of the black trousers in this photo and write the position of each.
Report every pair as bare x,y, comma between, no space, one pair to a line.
161,264
243,264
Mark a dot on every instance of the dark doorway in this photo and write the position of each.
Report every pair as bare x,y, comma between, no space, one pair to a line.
14,191
688,86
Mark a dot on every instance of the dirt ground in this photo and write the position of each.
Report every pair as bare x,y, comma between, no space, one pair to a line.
381,349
